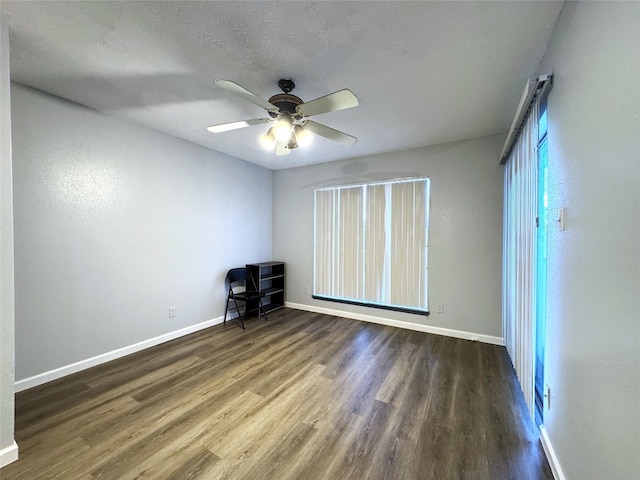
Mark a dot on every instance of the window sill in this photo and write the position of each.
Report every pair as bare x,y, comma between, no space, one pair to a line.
414,311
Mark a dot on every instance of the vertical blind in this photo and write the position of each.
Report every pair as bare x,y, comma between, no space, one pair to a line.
519,252
371,244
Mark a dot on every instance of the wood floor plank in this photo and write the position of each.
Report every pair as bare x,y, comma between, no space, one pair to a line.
197,462
396,383
301,396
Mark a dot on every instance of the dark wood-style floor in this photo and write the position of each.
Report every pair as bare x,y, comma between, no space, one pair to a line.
303,396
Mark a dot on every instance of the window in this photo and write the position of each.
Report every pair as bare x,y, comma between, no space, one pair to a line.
371,244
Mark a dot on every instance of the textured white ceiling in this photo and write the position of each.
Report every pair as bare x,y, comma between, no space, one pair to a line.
424,72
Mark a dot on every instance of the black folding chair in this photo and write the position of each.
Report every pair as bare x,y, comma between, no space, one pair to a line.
242,288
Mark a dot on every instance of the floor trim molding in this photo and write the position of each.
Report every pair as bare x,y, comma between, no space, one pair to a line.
8,455
400,324
60,372
554,463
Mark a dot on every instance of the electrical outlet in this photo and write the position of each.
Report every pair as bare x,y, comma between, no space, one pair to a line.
172,312
440,308
307,290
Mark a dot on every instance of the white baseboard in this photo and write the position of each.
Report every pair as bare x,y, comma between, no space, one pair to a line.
554,463
400,324
8,455
60,372
108,356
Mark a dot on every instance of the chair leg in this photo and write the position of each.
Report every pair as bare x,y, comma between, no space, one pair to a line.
264,312
226,309
239,318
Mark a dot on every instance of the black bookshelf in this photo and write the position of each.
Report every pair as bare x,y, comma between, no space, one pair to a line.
270,280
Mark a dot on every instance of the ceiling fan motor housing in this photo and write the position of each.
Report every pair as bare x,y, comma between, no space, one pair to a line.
287,103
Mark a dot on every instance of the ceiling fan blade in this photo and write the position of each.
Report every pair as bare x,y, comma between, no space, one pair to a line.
329,133
339,100
242,92
225,127
281,149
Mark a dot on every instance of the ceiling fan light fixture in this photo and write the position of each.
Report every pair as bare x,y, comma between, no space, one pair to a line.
292,143
303,138
268,140
282,130
281,149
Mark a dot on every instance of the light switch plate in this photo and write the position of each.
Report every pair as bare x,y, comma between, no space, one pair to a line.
561,219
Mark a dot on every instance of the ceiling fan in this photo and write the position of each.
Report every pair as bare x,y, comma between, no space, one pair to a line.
289,113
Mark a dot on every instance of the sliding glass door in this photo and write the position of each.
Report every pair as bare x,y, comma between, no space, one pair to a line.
541,264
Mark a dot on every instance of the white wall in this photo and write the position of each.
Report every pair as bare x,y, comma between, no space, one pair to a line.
8,449
465,231
593,338
115,223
